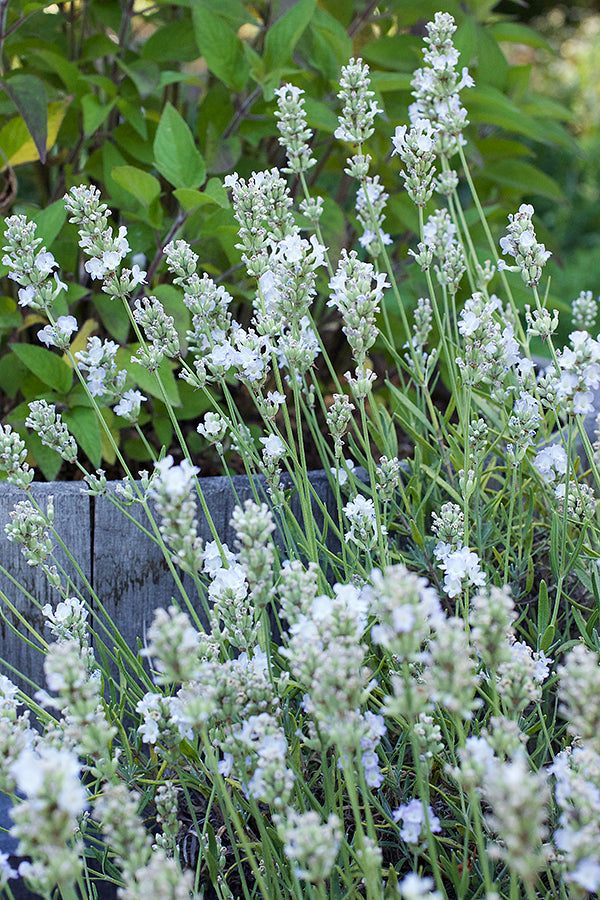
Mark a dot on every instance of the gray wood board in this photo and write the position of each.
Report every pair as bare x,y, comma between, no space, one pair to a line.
126,569
73,524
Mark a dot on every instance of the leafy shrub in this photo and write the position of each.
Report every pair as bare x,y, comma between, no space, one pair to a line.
153,106
404,734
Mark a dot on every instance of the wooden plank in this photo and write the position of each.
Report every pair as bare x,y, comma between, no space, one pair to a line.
72,522
125,567
131,576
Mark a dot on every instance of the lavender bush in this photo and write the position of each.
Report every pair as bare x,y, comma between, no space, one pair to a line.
423,719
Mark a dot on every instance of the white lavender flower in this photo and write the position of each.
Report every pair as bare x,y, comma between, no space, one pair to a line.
262,207
294,134
172,488
461,567
30,265
100,363
584,311
30,527
364,528
414,820
518,797
580,373
58,335
13,454
416,150
522,245
370,204
129,406
579,693
173,646
338,417
437,86
551,462
414,887
51,430
358,301
356,120
311,846
46,820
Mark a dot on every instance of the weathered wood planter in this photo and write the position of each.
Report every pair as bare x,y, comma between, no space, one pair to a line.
125,567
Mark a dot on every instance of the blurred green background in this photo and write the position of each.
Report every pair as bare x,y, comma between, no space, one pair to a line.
156,102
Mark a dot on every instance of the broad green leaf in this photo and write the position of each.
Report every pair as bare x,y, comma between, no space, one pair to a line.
10,317
219,45
492,66
518,34
49,221
487,104
400,51
94,113
83,424
213,193
146,380
174,41
45,365
144,187
67,71
28,94
391,81
283,36
11,374
114,317
330,46
144,73
135,116
46,459
320,115
18,145
176,156
524,177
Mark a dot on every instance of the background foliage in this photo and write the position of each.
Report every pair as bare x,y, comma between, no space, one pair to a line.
155,103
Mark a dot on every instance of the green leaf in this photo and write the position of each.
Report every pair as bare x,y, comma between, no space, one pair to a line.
487,104
10,317
144,73
219,45
518,34
18,145
135,116
47,459
547,638
543,615
555,545
28,94
94,113
524,177
283,36
45,365
11,374
114,317
144,187
176,156
397,52
391,81
83,424
213,193
49,221
173,42
146,380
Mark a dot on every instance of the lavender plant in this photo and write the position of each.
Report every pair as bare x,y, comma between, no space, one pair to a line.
372,711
